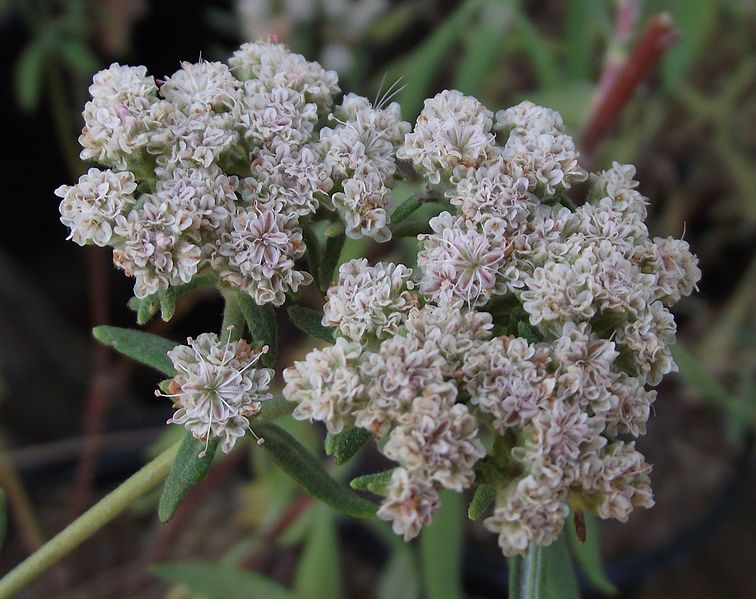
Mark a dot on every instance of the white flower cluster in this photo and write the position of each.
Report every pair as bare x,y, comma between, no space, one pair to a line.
219,167
216,389
521,353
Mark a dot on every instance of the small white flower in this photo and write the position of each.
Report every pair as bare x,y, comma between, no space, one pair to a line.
201,87
452,129
410,504
462,265
273,65
526,512
90,207
438,439
258,253
326,386
154,248
369,301
365,205
215,389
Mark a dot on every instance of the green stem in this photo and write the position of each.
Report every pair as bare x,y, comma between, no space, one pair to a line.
146,479
527,578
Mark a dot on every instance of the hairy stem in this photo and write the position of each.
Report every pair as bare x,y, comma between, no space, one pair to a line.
146,479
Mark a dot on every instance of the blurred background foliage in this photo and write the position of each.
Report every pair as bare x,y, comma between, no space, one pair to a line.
72,412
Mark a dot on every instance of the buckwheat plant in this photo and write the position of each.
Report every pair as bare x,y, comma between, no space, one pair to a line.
516,360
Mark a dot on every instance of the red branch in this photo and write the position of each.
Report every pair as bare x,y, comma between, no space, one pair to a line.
658,36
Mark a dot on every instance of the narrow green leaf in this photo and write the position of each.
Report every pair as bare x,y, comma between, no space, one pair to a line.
561,582
481,501
167,303
272,409
313,254
221,582
344,445
187,470
318,574
423,64
309,321
309,472
406,208
376,483
142,347
588,555
399,578
547,73
578,38
441,550
330,259
29,74
261,322
78,56
483,45
3,517
411,228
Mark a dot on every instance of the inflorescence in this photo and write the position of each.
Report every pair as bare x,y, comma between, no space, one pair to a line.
520,352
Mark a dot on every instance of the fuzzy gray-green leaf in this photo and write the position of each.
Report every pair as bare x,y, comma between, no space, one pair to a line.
142,347
309,472
588,555
309,321
481,501
376,483
441,549
187,470
221,582
345,444
261,322
330,259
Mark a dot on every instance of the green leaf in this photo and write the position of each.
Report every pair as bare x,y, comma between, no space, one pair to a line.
399,578
561,582
422,65
78,56
272,409
313,254
167,303
221,582
330,259
481,501
411,228
187,470
309,472
535,48
261,322
145,348
318,574
543,573
441,550
309,321
406,208
29,74
483,45
588,555
3,517
346,443
578,38
376,483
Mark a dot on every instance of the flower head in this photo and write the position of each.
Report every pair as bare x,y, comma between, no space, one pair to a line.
215,389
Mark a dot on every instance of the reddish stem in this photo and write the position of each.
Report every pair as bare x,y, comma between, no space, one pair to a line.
658,36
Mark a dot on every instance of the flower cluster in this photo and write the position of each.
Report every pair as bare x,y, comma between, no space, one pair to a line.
217,169
216,389
521,353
